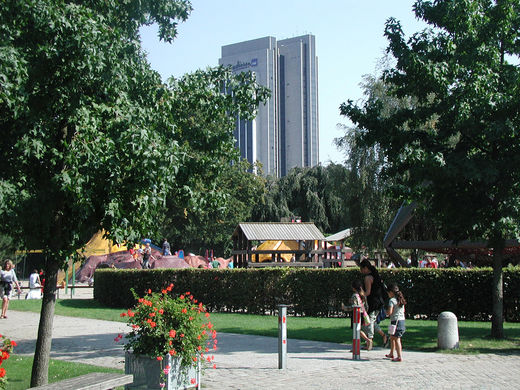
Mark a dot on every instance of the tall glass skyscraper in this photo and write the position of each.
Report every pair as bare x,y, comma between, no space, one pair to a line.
285,133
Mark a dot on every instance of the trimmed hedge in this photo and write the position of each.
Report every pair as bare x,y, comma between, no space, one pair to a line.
316,292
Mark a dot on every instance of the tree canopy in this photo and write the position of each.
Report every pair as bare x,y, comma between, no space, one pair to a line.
92,138
454,147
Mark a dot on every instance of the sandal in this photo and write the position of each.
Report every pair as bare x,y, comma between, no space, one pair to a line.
397,359
389,356
369,346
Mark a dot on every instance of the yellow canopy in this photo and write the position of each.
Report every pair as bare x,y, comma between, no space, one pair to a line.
276,245
98,245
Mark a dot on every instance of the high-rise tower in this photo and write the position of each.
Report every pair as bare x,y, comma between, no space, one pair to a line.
285,133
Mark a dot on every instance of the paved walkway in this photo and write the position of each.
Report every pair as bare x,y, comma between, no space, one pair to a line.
251,362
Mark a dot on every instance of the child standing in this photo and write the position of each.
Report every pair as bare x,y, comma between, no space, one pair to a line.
397,321
358,299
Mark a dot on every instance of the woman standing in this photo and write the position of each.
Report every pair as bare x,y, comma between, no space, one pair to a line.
8,278
374,294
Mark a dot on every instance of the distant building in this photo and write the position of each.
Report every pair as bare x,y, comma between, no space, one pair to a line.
285,134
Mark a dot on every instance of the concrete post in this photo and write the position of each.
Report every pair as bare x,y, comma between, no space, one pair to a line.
447,331
356,333
282,336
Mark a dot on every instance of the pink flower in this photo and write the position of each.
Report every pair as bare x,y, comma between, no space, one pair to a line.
193,381
162,384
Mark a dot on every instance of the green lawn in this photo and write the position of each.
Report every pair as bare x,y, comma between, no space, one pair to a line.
421,335
18,369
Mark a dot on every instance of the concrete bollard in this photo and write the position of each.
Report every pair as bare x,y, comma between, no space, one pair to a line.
282,337
447,331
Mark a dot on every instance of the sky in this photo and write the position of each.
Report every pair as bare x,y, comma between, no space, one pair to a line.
349,44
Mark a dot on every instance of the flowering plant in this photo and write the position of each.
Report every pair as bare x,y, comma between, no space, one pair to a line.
6,347
163,324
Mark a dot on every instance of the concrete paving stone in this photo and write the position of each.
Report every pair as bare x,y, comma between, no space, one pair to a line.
251,362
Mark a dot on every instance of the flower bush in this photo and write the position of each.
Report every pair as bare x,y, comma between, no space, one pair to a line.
6,347
179,326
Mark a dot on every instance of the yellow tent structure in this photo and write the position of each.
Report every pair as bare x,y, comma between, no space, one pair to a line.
276,246
98,245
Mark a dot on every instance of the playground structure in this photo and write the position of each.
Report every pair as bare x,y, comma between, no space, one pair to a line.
288,244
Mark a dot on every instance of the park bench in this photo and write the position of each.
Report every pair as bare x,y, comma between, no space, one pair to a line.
92,381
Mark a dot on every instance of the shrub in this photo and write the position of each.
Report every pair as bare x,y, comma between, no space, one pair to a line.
316,292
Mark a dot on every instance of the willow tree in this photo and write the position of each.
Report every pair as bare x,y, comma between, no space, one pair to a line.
456,149
88,135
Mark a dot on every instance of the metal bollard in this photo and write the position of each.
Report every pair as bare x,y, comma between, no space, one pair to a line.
447,331
282,336
356,329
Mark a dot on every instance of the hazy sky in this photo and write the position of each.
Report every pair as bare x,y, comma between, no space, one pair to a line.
349,43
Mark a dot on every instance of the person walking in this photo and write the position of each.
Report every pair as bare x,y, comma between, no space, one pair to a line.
8,279
396,310
373,287
358,299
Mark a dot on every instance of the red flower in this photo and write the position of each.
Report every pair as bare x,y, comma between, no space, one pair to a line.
2,372
172,333
122,315
153,324
130,313
159,358
193,381
172,352
152,314
13,343
161,311
184,310
164,291
207,315
214,366
149,291
182,334
181,297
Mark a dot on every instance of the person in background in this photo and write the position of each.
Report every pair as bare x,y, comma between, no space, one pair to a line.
396,312
215,263
34,286
147,254
9,278
166,251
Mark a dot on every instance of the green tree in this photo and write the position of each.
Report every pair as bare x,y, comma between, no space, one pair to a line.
455,148
89,130
315,194
207,181
211,227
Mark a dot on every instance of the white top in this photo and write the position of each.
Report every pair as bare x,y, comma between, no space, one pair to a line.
9,276
398,313
33,281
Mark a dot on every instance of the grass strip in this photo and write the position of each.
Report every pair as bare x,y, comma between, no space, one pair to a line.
421,335
18,370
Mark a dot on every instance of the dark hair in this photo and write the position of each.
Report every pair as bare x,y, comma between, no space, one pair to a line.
398,294
358,286
367,264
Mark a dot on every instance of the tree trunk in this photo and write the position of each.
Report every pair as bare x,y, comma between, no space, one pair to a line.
497,319
40,368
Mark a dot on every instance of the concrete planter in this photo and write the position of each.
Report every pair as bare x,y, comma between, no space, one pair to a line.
147,373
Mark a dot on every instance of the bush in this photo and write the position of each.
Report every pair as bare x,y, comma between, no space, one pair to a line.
316,292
